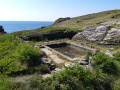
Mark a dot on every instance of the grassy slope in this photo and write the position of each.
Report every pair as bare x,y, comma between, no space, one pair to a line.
90,19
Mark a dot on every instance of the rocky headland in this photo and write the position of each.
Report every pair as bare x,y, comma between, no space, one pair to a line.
2,30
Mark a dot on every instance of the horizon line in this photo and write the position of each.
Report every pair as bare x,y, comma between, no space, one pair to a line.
25,21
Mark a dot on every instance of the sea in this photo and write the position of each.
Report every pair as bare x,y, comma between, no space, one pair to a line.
14,26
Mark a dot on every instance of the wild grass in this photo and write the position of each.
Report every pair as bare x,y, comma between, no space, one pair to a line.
90,19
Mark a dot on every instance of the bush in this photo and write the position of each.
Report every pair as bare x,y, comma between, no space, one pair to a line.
100,80
106,63
117,56
5,83
8,65
28,55
75,78
117,85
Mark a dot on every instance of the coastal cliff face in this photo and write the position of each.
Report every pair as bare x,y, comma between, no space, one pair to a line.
2,30
108,33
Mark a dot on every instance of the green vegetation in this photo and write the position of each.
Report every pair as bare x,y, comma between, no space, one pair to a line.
14,55
28,55
117,56
54,29
78,78
19,58
107,64
5,83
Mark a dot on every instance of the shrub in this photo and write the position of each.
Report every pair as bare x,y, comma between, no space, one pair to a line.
29,55
8,65
75,78
117,56
106,63
100,80
117,85
5,83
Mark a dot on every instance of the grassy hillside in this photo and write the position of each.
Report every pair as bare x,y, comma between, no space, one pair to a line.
90,19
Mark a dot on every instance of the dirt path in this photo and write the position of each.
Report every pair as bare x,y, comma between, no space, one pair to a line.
29,78
55,58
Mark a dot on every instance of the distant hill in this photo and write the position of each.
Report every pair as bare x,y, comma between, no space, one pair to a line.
90,19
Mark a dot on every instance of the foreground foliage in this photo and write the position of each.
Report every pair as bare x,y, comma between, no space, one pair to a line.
105,76
17,57
14,54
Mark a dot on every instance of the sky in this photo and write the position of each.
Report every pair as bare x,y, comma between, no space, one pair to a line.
50,10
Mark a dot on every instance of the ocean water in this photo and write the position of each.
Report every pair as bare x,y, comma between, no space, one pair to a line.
14,26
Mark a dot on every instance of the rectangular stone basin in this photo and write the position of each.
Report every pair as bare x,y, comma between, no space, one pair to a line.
68,49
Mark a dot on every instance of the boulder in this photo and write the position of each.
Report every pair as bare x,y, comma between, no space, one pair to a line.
118,24
62,19
46,61
83,62
52,67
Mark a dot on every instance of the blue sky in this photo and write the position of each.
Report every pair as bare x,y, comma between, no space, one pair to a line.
50,10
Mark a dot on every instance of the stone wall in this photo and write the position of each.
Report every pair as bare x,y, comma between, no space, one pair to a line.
36,36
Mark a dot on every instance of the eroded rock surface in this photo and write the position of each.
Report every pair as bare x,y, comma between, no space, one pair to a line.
111,23
112,37
94,34
104,34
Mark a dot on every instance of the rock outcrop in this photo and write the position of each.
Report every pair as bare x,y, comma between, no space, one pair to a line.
112,37
2,30
111,23
104,34
62,19
94,34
